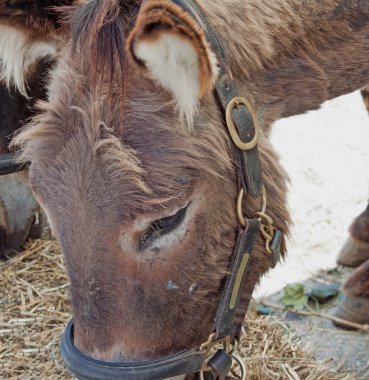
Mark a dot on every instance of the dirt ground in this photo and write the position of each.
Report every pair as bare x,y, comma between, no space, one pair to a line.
326,154
338,347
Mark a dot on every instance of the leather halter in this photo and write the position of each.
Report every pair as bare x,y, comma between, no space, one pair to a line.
8,164
243,129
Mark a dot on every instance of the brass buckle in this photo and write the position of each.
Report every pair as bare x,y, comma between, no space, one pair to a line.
235,103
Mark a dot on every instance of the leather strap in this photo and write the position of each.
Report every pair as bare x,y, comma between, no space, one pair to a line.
275,246
248,162
86,368
221,363
224,321
8,164
249,176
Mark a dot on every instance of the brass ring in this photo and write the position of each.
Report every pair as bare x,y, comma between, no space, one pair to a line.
241,364
240,216
235,102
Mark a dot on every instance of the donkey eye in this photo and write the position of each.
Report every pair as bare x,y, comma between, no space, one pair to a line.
161,227
167,224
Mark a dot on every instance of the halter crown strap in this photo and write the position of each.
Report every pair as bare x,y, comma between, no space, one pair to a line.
243,129
244,120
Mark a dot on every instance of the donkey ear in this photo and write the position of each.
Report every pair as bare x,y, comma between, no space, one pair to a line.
29,30
173,48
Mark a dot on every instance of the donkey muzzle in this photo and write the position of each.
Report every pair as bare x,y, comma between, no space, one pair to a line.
86,368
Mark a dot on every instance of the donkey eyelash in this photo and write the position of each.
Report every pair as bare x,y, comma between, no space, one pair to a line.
169,221
161,227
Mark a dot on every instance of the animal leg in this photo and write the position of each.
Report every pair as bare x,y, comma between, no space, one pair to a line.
354,306
356,249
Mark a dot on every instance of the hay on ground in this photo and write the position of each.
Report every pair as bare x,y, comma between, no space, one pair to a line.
34,309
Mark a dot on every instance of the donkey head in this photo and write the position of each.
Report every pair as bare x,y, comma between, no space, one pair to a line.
131,162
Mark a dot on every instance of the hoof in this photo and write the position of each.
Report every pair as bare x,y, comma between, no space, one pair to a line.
353,253
352,309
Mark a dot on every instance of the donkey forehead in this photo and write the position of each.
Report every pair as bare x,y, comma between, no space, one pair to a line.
128,153
109,172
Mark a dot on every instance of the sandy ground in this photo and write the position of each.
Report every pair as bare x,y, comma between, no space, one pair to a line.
326,154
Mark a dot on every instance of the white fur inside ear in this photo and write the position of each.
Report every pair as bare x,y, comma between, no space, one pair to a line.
173,62
17,53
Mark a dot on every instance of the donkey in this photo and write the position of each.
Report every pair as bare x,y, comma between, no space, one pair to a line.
131,160
20,214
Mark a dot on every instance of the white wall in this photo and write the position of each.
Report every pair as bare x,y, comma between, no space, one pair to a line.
326,154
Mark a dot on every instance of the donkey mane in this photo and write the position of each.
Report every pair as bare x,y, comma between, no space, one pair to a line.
98,36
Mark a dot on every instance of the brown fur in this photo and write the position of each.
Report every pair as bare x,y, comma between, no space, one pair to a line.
92,26
98,171
40,20
365,96
359,229
37,18
358,283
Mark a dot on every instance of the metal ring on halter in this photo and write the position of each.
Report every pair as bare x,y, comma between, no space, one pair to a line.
235,103
241,364
240,216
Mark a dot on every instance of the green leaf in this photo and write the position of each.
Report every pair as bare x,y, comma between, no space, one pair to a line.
294,296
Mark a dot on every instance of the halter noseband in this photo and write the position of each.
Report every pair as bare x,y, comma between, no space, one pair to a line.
243,129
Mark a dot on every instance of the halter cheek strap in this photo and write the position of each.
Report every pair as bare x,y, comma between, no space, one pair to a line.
243,130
